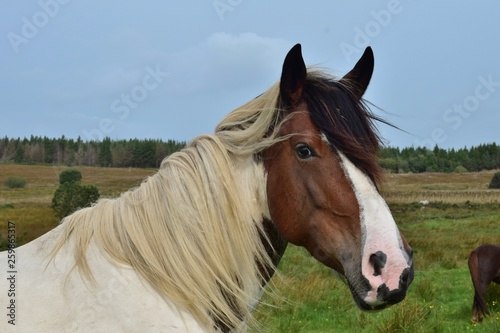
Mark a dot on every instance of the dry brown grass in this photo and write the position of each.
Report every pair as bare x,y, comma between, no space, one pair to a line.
31,205
440,187
34,217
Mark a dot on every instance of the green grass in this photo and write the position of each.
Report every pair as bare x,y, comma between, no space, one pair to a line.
308,297
439,300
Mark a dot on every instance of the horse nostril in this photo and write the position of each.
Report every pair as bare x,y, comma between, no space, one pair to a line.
405,278
378,260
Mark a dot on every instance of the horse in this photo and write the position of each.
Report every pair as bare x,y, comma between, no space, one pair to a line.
192,248
484,267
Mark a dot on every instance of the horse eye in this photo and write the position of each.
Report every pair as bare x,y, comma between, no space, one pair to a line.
303,151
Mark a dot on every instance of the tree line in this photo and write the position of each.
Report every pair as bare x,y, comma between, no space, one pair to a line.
106,153
422,159
148,153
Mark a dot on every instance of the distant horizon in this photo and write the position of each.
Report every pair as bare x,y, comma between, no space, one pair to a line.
187,141
147,153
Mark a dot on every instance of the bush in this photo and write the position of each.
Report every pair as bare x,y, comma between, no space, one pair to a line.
389,164
71,196
15,182
460,169
495,181
70,175
6,205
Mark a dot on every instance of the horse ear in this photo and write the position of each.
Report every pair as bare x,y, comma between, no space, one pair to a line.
359,77
293,77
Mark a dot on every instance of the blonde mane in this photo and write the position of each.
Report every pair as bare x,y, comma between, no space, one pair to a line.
193,230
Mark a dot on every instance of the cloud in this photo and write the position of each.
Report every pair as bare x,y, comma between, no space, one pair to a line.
225,60
114,78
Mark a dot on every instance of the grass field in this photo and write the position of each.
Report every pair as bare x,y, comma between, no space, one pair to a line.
31,205
462,214
440,187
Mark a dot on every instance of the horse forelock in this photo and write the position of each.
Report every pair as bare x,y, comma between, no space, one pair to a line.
345,120
192,231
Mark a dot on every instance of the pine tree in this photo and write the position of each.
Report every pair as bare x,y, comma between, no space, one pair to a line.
105,158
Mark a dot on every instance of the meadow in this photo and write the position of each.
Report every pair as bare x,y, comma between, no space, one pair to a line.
306,296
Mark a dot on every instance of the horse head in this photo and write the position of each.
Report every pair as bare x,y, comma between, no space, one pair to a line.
321,182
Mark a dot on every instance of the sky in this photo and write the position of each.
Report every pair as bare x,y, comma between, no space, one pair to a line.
173,69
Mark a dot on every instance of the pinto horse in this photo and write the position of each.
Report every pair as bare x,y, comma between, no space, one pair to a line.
192,248
484,266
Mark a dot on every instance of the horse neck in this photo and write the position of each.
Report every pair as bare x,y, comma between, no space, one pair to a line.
252,176
275,246
252,180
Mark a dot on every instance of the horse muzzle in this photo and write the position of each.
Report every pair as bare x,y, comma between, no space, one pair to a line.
384,297
387,285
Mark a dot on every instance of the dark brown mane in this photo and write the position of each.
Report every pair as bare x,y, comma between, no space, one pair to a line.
346,121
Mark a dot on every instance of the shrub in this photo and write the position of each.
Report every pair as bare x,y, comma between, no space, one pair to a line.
460,169
15,182
70,175
6,205
71,196
495,181
389,164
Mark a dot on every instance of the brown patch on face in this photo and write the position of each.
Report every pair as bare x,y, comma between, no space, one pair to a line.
310,199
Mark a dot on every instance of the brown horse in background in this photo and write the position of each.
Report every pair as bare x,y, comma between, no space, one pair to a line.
484,266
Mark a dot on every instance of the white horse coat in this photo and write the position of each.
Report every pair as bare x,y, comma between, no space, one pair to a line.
47,299
170,225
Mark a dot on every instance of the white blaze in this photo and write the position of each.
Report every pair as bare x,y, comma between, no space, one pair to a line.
379,233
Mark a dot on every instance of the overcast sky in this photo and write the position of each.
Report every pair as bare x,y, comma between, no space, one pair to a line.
172,70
